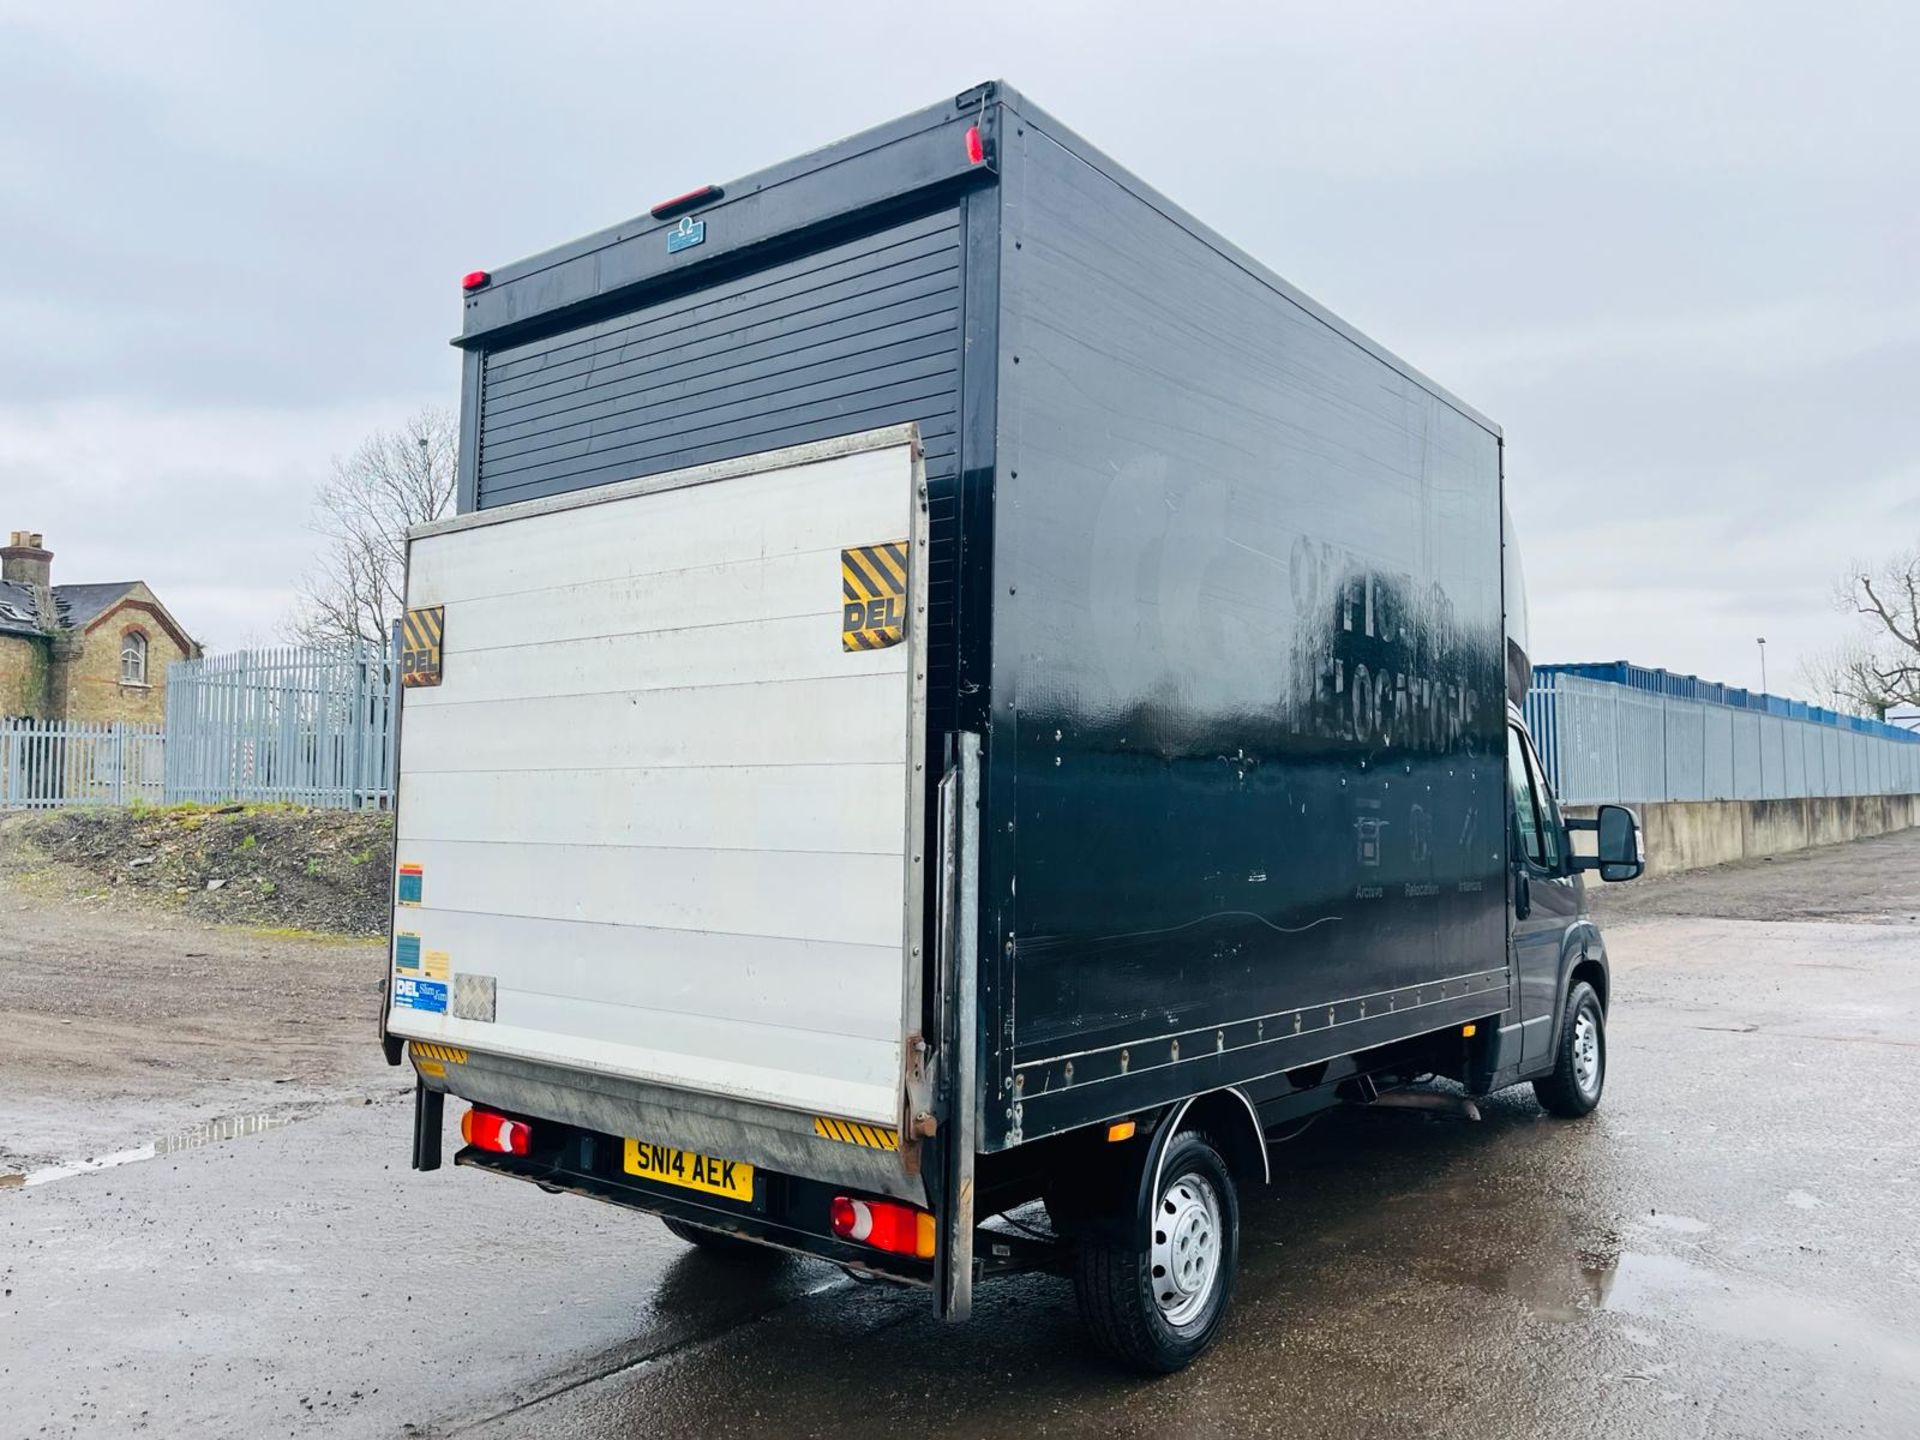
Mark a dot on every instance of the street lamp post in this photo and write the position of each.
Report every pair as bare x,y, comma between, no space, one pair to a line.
1762,642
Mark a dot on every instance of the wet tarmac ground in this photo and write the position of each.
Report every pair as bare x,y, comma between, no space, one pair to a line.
1731,1246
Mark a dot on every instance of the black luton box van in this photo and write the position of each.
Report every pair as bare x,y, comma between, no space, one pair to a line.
952,686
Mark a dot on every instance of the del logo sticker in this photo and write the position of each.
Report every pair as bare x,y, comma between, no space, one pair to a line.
421,633
412,994
873,596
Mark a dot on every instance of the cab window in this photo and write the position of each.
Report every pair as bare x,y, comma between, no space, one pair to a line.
1543,805
1526,818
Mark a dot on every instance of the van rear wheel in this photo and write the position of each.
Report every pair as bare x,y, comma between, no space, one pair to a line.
716,1242
1156,1303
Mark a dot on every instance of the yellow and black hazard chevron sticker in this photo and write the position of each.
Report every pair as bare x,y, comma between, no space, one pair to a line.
430,1051
850,1132
873,596
420,633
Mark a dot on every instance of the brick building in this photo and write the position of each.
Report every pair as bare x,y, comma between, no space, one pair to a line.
92,653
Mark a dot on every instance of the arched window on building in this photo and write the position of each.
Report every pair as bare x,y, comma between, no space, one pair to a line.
133,658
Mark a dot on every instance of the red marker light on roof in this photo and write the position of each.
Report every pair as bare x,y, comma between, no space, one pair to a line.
704,195
976,146
475,280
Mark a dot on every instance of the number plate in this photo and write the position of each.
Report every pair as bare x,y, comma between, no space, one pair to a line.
732,1179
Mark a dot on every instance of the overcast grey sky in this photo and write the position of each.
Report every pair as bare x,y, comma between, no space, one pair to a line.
1672,248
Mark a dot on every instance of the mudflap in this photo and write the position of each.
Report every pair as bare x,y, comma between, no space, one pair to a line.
429,1114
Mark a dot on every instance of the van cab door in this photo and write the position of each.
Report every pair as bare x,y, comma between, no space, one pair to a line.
1543,893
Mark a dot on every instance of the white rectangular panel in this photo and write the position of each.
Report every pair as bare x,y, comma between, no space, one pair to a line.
658,797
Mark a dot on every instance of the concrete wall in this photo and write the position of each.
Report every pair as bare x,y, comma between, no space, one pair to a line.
1687,834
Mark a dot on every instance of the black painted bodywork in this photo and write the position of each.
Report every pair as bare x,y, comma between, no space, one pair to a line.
1217,579
1248,669
789,1212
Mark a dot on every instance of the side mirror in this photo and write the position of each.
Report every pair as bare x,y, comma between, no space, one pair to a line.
1622,852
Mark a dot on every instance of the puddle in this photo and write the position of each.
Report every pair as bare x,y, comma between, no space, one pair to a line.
82,1167
1676,1224
228,1127
1652,1286
232,1127
1653,1292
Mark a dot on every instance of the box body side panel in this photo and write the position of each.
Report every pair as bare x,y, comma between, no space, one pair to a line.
1245,778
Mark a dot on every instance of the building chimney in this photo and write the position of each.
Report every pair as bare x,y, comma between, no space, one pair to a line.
24,561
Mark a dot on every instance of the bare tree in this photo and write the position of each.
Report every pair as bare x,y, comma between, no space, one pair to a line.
1843,678
1881,668
397,478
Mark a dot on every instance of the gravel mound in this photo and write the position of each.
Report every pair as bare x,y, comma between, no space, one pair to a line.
268,866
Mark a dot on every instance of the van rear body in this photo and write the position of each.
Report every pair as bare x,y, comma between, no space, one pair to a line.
951,685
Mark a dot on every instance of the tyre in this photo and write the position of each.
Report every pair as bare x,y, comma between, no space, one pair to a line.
1068,1206
1157,1303
716,1243
1580,1061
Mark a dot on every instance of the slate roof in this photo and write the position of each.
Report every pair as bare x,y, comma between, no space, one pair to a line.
75,606
79,604
16,610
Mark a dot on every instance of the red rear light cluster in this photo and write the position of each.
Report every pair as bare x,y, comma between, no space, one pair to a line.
485,1130
885,1225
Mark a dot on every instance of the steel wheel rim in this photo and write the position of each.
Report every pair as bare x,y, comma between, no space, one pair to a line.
1184,1253
1586,1052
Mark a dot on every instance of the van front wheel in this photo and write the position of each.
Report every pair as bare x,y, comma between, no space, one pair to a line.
1580,1060
1157,1303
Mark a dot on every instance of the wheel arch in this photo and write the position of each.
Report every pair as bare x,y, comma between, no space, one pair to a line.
1128,1176
1233,1124
1585,958
1594,973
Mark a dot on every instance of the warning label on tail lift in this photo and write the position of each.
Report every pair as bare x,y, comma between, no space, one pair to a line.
873,596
